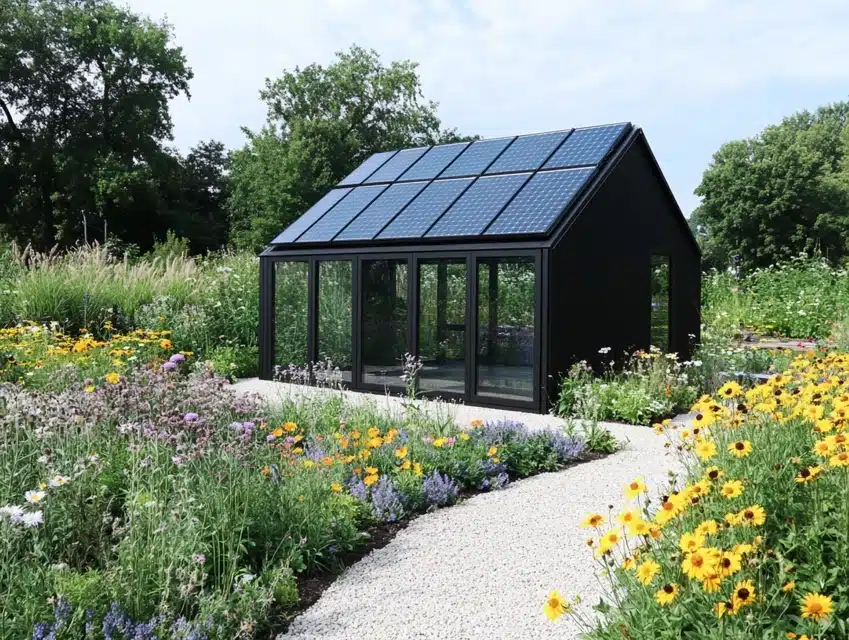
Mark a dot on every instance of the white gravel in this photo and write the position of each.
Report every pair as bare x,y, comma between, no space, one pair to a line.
483,568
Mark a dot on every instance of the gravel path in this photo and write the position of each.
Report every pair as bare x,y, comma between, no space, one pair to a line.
483,568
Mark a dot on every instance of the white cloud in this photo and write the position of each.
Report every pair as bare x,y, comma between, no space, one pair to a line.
502,66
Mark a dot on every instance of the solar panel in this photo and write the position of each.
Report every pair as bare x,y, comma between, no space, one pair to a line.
470,215
422,212
540,202
321,207
434,161
397,165
340,215
528,152
585,147
476,158
367,168
385,207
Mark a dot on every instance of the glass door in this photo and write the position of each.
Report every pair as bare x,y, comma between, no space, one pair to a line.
385,317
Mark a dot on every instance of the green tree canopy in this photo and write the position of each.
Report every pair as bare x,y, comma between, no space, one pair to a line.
782,192
84,120
322,123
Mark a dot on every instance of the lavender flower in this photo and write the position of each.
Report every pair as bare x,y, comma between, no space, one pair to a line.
386,501
358,489
494,475
439,490
567,449
502,431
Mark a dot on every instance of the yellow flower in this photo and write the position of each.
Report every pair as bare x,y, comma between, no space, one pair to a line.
405,466
373,432
713,473
278,432
336,487
89,388
707,528
705,449
816,606
744,594
666,594
609,540
308,464
729,563
699,563
555,606
165,344
741,449
401,452
492,451
647,571
822,448
266,471
788,586
371,470
112,377
439,442
635,488
808,475
301,497
690,542
370,479
839,460
711,582
290,427
730,390
375,443
417,468
464,436
753,516
592,521
297,450
628,517
732,489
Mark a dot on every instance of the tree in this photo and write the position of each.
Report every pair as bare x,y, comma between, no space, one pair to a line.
322,123
84,91
773,196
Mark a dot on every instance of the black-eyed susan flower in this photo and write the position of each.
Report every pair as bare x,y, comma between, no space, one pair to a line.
732,489
741,448
635,488
729,563
592,521
666,594
743,595
699,563
816,606
555,606
713,473
753,516
646,571
808,475
730,390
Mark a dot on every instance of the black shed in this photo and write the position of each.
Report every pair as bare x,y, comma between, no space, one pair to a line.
497,263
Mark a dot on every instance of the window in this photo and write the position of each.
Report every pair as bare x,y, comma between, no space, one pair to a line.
290,313
442,325
505,340
660,302
335,313
384,321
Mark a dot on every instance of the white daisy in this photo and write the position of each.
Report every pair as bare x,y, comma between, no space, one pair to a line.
34,497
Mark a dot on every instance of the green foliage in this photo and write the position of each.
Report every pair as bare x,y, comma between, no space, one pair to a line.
322,123
649,386
801,298
768,198
84,122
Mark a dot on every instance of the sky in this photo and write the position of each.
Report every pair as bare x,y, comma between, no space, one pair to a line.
693,74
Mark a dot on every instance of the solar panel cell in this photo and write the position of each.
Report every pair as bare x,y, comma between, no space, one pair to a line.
291,233
540,202
396,165
585,147
528,152
333,221
434,161
367,168
477,207
385,207
422,212
476,158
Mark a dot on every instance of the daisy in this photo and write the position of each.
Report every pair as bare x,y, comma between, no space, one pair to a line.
666,594
34,497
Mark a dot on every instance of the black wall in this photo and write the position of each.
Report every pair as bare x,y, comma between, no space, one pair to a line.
599,289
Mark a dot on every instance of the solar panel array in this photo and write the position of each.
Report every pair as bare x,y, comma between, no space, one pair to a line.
514,186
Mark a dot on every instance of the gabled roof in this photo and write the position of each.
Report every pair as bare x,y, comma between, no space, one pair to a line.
518,187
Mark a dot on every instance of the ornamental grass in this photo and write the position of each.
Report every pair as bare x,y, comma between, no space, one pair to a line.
752,540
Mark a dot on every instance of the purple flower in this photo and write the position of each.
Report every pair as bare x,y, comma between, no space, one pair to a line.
567,449
439,490
270,437
177,357
248,425
386,501
191,416
170,366
358,489
502,431
199,558
238,427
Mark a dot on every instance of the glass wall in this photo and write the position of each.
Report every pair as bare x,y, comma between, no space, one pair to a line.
384,321
660,302
291,294
335,314
442,325
505,333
